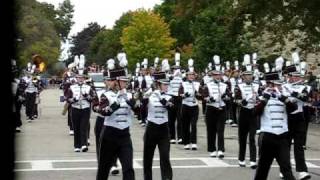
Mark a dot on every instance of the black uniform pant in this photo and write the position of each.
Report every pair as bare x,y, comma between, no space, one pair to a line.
80,120
215,121
30,104
70,118
273,146
297,131
247,125
98,128
97,132
157,135
307,112
189,117
174,116
114,144
204,106
18,106
144,110
234,108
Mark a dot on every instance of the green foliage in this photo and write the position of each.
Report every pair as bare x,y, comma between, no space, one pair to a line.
40,30
106,44
64,19
231,28
82,40
286,20
147,36
214,35
37,34
61,17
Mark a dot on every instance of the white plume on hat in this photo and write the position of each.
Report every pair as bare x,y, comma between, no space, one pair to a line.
33,68
165,65
190,62
137,71
254,58
246,60
236,64
266,67
122,58
29,65
110,64
295,58
145,63
288,63
82,61
156,62
216,59
177,56
303,68
177,59
279,63
209,66
228,65
190,65
76,60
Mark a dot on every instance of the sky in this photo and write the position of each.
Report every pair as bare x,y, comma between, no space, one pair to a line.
104,12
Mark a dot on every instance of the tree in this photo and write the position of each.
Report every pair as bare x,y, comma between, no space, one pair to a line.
147,36
64,19
81,41
61,17
37,33
282,23
215,35
106,44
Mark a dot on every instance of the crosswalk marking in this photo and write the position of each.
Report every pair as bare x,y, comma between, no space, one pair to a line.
206,162
41,165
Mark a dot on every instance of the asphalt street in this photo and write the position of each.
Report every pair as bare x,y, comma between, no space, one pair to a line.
44,151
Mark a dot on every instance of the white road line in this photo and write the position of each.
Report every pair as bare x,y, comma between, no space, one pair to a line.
140,159
154,167
41,165
213,162
47,165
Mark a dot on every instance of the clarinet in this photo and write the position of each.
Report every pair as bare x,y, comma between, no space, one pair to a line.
220,98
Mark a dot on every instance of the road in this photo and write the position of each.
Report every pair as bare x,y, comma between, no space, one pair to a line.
44,151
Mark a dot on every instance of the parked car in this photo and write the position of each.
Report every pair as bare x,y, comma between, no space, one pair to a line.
97,80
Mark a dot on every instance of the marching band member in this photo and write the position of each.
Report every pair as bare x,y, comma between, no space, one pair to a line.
31,93
189,91
234,79
68,80
247,91
175,111
18,87
273,139
145,82
115,140
80,96
157,130
216,94
98,104
206,79
297,91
